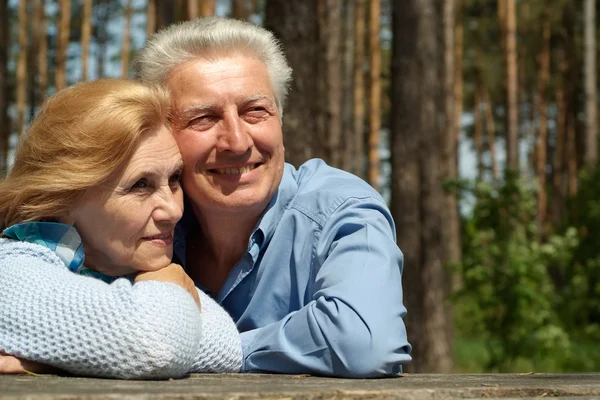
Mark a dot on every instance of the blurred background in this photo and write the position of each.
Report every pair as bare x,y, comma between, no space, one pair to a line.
476,120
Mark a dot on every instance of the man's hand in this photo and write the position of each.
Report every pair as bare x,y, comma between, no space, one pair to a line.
14,365
172,273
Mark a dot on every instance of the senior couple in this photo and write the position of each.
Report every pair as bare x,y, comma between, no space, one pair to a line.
267,268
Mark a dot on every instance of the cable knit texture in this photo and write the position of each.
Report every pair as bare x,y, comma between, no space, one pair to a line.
150,330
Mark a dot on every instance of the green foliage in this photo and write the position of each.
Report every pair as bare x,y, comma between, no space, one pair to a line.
580,283
507,297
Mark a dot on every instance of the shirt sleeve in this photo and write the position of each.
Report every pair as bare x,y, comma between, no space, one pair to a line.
87,327
353,326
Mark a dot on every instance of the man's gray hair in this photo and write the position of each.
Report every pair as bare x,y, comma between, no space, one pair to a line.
211,38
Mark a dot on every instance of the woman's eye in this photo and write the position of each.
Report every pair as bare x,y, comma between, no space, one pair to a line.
175,178
140,184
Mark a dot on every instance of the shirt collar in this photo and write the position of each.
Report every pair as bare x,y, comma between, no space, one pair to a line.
270,218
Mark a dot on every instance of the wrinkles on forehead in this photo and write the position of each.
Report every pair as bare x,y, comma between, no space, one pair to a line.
194,110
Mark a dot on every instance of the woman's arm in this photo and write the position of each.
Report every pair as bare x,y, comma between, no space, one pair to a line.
221,347
87,327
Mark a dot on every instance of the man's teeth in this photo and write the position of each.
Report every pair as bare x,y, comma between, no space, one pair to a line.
234,171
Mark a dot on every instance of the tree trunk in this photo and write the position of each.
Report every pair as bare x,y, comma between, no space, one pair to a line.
571,155
86,32
295,24
193,9
150,18
591,134
458,68
449,143
558,181
207,7
416,185
508,19
63,43
358,150
330,133
165,14
542,137
478,132
42,56
126,41
239,9
32,52
5,125
22,66
490,128
374,92
348,86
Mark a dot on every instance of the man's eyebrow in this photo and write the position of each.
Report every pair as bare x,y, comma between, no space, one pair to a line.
196,109
256,97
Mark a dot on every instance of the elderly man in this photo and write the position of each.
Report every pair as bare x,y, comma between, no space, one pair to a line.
305,260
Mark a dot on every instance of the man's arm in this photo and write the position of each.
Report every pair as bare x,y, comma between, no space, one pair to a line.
353,326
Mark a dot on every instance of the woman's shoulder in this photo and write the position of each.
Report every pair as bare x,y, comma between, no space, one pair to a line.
15,249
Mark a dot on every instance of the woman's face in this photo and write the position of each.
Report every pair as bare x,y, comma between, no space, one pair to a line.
127,224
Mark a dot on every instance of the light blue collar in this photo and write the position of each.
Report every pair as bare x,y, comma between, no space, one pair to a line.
62,239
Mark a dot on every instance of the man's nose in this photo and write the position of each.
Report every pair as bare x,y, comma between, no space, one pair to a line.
233,136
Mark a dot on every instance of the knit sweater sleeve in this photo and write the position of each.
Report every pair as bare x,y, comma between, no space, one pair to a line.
221,346
87,327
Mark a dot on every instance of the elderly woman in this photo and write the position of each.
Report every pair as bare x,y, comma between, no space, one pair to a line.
89,210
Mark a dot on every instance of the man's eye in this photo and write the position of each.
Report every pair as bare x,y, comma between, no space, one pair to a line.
203,121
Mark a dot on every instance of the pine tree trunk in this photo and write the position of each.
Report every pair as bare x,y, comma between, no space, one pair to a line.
449,165
358,148
490,127
512,105
193,9
150,18
330,132
348,86
295,24
63,43
571,155
238,9
558,182
5,125
126,41
207,7
86,32
22,66
374,92
42,57
591,134
32,53
416,185
542,137
478,132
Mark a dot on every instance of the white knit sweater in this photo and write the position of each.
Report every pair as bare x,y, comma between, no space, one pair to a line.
150,330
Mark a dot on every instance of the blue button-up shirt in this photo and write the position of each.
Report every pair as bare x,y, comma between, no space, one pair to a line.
319,290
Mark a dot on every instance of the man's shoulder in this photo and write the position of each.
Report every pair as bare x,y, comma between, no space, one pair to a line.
320,188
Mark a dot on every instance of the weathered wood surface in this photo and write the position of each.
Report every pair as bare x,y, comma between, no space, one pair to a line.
252,386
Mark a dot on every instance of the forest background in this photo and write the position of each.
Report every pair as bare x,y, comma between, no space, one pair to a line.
476,119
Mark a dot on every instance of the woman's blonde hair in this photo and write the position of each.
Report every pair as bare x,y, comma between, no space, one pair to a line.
81,136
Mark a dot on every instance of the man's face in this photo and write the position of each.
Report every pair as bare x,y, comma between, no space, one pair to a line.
229,134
